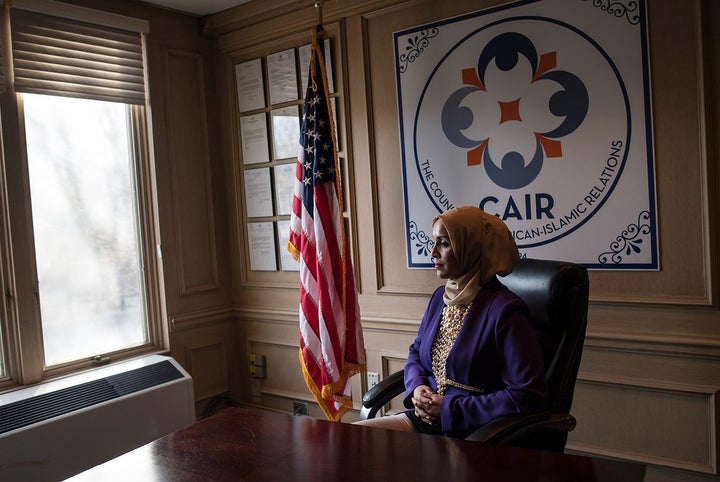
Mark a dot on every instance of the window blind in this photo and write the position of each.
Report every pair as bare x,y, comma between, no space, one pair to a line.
64,56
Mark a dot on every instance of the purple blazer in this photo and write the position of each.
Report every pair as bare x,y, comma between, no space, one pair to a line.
496,352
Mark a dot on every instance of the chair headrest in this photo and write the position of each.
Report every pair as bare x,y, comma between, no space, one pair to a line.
553,290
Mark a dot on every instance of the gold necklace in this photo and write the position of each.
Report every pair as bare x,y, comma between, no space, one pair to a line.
452,320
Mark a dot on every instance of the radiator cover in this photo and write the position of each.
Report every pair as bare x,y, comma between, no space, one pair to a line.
58,429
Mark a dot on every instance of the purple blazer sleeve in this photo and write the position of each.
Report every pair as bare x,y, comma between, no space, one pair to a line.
496,352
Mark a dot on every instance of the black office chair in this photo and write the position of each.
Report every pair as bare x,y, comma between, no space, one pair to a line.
557,294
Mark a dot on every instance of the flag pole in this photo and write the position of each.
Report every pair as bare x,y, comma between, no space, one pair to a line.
318,12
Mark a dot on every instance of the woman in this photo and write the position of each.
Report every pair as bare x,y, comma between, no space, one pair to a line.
475,357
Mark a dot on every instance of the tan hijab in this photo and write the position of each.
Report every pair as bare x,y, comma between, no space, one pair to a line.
483,246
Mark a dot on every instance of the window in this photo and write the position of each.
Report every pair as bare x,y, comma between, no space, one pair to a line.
80,271
82,186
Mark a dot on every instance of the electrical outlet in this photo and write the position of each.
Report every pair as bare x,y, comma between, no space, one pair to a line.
257,365
300,408
373,378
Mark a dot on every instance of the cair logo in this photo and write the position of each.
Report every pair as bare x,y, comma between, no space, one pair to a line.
528,119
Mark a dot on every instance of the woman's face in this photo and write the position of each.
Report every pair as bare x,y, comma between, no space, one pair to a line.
446,264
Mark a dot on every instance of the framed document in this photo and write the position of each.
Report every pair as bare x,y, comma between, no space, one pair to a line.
304,58
333,106
258,197
261,241
286,132
327,55
282,77
287,262
284,177
254,136
249,84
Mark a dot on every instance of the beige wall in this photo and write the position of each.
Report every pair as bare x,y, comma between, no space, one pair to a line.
651,366
650,375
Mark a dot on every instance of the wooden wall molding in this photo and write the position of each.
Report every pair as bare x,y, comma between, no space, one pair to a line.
206,344
210,360
669,328
370,323
391,363
391,325
190,176
707,56
661,370
660,426
276,315
198,319
679,347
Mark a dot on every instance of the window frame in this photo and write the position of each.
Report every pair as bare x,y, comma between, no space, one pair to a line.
20,321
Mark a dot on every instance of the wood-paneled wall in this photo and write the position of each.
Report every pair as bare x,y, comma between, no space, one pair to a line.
650,376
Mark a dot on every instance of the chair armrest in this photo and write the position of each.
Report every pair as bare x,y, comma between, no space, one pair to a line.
379,395
505,430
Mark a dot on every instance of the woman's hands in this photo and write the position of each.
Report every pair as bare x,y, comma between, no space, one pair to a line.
427,404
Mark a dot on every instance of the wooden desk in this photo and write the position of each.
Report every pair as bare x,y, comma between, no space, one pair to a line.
248,444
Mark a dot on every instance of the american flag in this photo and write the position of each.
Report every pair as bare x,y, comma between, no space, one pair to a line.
331,340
